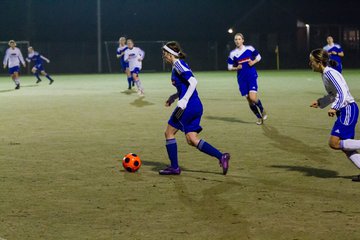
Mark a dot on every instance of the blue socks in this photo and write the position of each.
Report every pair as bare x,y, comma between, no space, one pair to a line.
171,148
129,81
259,105
255,110
208,149
37,76
48,77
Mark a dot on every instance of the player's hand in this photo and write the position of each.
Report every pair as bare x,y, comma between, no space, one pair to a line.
48,61
238,67
4,66
332,112
314,104
24,65
334,53
252,63
182,103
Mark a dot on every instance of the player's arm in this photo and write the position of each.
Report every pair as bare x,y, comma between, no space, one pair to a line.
340,54
22,59
6,58
323,102
44,58
182,103
126,56
171,99
257,59
141,54
231,64
119,54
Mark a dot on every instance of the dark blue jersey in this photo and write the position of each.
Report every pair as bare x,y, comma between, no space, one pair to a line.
243,56
121,50
35,57
334,48
181,73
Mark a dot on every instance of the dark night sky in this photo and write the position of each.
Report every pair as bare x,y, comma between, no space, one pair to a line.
75,20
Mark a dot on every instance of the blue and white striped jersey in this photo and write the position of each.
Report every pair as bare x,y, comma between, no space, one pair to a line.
336,87
243,56
334,48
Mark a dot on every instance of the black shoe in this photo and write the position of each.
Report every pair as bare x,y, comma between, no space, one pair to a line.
17,86
356,178
51,81
39,80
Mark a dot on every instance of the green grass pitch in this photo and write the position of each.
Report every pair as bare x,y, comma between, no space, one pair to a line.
61,148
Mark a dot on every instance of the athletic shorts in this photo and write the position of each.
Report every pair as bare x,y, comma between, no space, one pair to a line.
344,127
39,67
247,84
124,65
136,71
190,119
12,70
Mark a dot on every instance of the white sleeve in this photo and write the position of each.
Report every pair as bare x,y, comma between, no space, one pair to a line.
258,57
21,57
193,82
230,66
6,58
126,55
44,58
141,53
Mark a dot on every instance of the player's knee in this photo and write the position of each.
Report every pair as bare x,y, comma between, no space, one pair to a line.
43,73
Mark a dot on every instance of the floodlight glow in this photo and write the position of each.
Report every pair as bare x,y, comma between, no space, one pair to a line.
307,25
230,30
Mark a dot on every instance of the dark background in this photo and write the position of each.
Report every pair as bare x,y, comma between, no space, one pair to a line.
66,31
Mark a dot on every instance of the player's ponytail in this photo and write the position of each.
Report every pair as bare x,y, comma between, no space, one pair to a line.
175,49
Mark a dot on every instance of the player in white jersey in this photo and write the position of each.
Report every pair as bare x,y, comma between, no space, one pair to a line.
12,60
124,65
343,106
134,56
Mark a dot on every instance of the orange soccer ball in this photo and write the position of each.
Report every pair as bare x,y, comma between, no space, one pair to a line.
131,162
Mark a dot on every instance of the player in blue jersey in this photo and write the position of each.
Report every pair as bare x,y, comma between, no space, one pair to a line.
187,115
38,65
342,104
12,60
335,51
123,64
242,59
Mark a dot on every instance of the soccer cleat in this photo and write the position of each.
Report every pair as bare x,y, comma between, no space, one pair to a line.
260,121
170,171
356,178
51,82
224,162
39,80
17,86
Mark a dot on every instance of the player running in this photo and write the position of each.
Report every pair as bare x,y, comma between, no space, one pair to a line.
242,59
38,67
342,105
12,60
123,64
335,52
187,115
134,56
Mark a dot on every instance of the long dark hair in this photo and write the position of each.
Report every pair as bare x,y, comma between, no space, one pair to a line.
175,46
322,56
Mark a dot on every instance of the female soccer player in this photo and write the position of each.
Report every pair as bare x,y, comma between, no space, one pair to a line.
342,105
242,59
12,60
187,115
38,67
123,64
134,56
335,51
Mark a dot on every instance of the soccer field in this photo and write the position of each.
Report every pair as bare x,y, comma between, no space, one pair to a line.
61,148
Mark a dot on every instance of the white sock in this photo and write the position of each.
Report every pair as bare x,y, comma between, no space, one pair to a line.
350,144
354,156
138,85
17,81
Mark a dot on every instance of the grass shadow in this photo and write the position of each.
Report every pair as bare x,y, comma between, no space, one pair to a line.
128,92
33,85
7,90
140,102
227,119
312,172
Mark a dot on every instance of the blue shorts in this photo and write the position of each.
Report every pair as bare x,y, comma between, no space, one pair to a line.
14,69
190,120
124,65
39,67
248,84
344,127
136,71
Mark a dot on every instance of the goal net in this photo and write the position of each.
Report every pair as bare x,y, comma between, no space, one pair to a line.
22,45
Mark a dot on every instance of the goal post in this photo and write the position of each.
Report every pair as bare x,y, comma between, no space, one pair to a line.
22,45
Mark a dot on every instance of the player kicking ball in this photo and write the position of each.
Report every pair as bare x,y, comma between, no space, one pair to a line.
187,114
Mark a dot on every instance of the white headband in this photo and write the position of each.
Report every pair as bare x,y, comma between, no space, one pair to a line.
166,48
